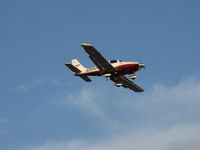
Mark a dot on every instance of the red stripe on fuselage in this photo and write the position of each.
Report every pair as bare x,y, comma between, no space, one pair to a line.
127,68
122,69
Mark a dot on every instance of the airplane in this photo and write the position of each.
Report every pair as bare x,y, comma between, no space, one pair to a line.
115,70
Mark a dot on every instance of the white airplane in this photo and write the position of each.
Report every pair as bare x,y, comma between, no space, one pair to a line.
115,70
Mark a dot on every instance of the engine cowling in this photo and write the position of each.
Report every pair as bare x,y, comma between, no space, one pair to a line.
133,77
117,84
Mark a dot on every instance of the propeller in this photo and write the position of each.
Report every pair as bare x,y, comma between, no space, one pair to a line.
142,65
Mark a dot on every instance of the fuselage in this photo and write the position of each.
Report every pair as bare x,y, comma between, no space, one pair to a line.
121,67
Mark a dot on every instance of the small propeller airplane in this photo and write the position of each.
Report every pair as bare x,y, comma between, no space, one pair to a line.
115,70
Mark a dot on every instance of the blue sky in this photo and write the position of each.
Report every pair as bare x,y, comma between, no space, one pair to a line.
43,106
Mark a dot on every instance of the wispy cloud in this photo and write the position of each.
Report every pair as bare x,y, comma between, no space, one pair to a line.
176,138
88,100
162,104
39,83
167,118
31,85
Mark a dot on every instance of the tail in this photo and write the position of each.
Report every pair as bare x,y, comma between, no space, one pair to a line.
76,67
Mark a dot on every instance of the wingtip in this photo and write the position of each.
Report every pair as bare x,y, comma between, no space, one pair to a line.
142,90
86,44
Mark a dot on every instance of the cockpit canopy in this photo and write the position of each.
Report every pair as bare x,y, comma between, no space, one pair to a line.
114,61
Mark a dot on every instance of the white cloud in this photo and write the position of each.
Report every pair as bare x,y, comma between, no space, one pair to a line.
167,118
87,100
175,103
176,138
160,105
96,104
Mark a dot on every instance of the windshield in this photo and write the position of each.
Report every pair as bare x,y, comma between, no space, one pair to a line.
113,61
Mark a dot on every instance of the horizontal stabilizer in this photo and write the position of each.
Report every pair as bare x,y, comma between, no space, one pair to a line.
72,68
76,70
86,78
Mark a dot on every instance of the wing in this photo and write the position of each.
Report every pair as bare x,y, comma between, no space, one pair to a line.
127,83
98,59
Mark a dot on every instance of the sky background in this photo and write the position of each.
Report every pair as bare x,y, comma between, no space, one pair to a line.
44,107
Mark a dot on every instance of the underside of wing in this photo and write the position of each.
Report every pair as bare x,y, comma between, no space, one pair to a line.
127,83
98,59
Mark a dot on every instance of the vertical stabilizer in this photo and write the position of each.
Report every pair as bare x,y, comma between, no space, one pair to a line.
78,65
77,68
